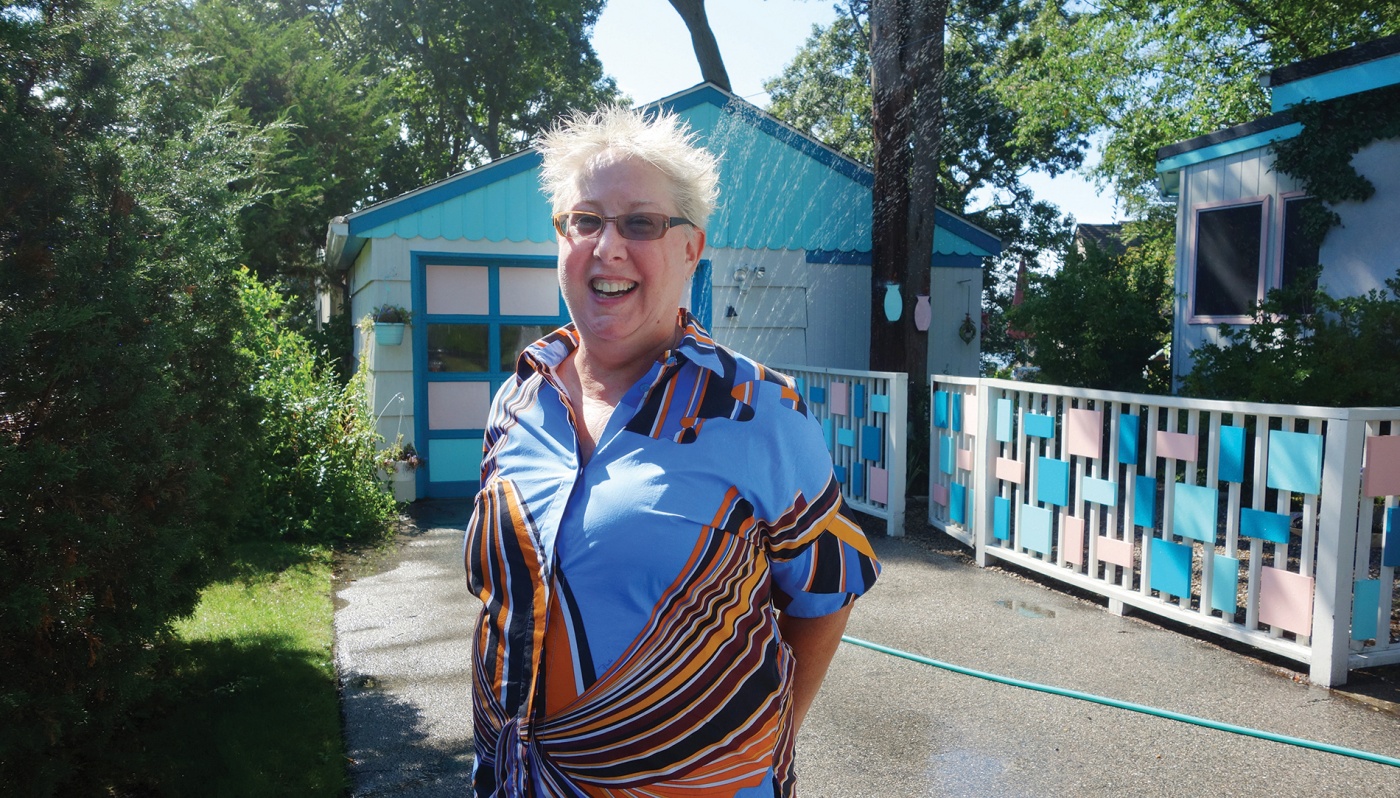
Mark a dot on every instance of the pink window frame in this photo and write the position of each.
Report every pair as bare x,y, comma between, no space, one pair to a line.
1262,270
1276,267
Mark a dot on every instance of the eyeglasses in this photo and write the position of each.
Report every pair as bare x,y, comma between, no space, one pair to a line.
631,226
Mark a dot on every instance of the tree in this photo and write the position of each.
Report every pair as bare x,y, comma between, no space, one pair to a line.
474,81
1148,73
328,121
826,91
703,40
125,407
906,87
1099,320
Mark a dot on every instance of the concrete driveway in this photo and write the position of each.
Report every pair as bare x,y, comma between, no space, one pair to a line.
887,726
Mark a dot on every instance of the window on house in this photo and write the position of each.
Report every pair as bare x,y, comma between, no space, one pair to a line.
1300,253
1228,260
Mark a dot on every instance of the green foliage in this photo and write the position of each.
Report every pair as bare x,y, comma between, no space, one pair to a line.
1320,156
1342,354
1148,73
326,120
124,407
473,81
825,90
317,445
1098,321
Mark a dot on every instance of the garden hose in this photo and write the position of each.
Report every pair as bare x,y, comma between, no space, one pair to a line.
1146,710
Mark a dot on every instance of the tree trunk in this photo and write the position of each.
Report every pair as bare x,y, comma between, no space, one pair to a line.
703,40
891,124
925,65
906,57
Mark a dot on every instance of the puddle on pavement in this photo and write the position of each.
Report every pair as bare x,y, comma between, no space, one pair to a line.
961,772
1027,609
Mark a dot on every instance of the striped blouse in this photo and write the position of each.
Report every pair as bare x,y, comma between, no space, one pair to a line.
628,643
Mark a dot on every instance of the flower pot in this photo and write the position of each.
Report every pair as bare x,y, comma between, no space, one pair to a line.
388,334
403,482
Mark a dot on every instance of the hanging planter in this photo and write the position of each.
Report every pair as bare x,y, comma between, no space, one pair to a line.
389,321
388,333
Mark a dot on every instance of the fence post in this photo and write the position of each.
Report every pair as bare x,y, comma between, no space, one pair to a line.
1336,551
982,480
897,447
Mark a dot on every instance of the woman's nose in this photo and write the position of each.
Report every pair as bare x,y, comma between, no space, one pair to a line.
610,243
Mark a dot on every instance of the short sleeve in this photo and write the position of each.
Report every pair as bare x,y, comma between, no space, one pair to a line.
820,559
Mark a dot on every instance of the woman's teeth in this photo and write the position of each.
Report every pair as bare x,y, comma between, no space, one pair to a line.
612,288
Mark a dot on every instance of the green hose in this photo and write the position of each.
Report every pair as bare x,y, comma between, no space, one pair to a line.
1146,710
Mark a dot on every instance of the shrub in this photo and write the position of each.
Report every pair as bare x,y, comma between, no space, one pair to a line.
1341,353
317,446
1098,321
124,406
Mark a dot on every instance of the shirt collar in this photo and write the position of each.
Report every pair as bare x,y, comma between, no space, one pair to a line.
695,345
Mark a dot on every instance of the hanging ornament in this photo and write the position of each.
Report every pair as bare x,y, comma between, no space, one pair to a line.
968,329
923,314
894,303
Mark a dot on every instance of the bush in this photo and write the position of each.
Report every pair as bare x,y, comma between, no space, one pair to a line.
1099,320
124,406
317,446
1340,353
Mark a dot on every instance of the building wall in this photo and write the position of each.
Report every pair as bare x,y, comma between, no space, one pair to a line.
1362,254
1240,176
796,313
1356,257
953,294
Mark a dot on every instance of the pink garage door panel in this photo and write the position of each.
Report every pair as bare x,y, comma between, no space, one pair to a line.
459,289
529,292
458,405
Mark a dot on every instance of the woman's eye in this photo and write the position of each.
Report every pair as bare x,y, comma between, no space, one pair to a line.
587,224
640,224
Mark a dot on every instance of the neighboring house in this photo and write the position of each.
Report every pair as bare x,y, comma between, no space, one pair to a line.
1108,238
1237,218
785,278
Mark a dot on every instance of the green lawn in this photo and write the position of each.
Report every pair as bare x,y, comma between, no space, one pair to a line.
250,701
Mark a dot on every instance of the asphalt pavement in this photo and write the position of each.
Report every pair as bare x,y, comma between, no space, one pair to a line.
888,726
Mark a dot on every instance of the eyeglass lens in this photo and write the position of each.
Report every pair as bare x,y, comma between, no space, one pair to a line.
633,226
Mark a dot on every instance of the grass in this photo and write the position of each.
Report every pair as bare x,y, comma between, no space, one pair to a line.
249,704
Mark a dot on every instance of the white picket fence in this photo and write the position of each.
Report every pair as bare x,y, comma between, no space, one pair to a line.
1254,522
864,416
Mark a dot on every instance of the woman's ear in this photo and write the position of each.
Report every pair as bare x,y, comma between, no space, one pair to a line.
694,245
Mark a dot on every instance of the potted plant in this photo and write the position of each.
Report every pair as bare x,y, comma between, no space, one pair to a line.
397,464
389,321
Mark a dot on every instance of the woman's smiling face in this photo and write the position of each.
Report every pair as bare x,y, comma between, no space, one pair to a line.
623,294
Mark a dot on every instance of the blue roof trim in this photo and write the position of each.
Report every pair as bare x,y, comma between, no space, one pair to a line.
1338,83
967,231
840,257
958,261
1231,147
708,93
441,191
849,258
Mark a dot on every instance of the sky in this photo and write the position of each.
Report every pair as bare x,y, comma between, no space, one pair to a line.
644,46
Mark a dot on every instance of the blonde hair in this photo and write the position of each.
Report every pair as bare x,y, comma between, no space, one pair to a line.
583,142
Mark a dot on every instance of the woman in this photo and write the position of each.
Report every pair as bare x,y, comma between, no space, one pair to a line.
658,541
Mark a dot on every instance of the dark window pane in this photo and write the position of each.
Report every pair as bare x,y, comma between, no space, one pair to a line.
514,339
459,347
1300,253
1227,260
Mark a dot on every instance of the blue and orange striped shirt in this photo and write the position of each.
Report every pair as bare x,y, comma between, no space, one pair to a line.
628,642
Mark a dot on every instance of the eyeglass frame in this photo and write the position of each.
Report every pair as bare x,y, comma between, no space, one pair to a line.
560,224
